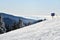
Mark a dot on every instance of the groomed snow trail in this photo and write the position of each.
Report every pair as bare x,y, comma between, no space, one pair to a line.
46,30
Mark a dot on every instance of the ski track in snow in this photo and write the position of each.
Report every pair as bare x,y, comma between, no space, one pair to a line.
47,30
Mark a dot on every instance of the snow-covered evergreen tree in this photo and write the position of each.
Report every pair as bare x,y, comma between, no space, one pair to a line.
2,25
20,24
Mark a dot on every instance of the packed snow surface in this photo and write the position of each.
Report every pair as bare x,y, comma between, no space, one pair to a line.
46,30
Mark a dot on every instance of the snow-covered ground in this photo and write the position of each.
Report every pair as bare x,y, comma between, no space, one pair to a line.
46,30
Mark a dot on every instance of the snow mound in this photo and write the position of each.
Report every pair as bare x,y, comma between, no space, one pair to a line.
46,30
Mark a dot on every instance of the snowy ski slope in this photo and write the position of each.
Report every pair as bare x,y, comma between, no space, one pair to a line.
46,30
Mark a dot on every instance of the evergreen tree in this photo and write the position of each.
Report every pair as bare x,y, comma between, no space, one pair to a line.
20,24
2,25
29,23
15,26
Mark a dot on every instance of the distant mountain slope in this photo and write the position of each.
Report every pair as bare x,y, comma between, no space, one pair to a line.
46,30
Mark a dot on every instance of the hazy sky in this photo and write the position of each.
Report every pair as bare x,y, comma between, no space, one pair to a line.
30,7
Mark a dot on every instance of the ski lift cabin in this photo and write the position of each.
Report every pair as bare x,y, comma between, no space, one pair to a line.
52,14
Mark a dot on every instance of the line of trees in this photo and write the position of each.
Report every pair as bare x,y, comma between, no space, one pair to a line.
16,25
6,28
